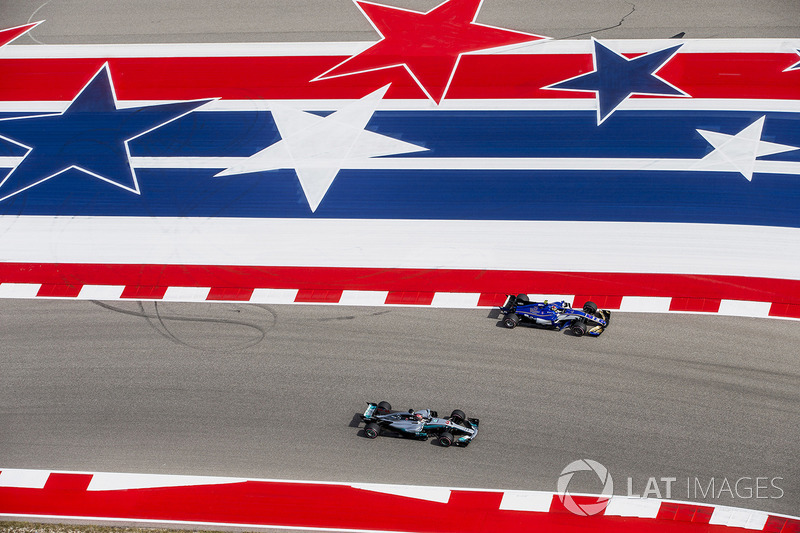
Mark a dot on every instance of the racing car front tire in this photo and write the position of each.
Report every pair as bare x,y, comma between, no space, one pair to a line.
511,320
458,416
372,430
590,308
446,439
578,329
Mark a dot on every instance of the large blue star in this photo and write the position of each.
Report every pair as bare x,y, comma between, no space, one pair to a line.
615,78
91,135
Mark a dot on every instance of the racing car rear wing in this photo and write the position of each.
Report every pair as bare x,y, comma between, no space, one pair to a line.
371,408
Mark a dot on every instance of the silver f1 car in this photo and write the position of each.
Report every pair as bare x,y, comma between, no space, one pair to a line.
456,429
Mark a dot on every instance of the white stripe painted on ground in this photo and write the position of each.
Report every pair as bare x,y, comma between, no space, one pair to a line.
273,296
476,163
569,298
645,304
524,500
496,104
463,163
19,290
23,478
107,481
735,517
345,48
669,248
458,300
101,292
744,308
186,294
363,297
638,507
431,494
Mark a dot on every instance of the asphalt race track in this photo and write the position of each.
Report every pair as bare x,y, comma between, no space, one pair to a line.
273,391
247,390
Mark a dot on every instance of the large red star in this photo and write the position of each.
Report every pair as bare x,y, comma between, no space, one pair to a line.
6,36
429,45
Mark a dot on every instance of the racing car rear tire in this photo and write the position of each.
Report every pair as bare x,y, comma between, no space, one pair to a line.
590,308
386,406
578,329
446,439
372,430
511,320
523,299
458,415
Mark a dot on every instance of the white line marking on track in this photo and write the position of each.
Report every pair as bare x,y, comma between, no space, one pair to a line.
19,290
744,308
523,500
23,479
645,304
744,518
638,507
433,494
186,294
363,297
273,296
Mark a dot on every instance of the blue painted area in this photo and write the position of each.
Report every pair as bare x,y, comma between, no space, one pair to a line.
572,134
483,133
698,197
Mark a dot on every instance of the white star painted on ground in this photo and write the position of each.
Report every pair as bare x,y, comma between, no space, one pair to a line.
739,152
317,148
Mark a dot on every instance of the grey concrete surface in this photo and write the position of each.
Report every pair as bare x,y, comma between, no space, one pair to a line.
145,21
273,392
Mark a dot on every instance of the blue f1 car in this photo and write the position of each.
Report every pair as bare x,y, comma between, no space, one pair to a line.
556,315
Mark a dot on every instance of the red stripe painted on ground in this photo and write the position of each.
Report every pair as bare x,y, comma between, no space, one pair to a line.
608,285
56,290
318,296
410,298
602,301
143,292
492,299
707,75
697,305
784,310
336,506
700,514
229,294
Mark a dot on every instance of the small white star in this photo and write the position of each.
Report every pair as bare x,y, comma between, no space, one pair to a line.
317,148
739,152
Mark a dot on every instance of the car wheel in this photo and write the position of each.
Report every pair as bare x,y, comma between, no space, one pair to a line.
372,430
523,299
590,308
511,320
578,329
446,439
458,416
385,406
